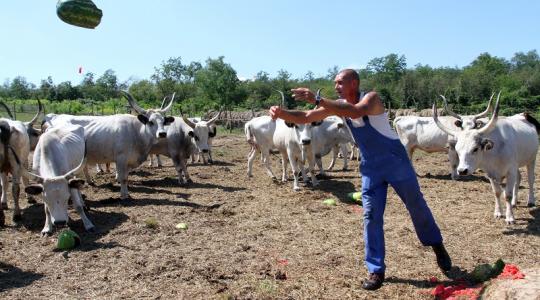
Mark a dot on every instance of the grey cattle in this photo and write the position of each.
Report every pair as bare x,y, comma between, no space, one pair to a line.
125,140
178,146
59,155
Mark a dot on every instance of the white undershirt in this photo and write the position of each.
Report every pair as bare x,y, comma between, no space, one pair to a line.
380,123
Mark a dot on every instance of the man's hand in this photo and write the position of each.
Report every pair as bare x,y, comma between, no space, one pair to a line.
275,112
303,94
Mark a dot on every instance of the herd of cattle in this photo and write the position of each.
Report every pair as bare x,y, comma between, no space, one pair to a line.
67,145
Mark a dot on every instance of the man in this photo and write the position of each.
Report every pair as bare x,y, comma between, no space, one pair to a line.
384,161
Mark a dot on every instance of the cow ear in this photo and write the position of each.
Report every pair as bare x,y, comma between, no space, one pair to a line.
191,134
486,144
458,123
479,124
212,133
168,120
34,189
143,119
76,183
290,125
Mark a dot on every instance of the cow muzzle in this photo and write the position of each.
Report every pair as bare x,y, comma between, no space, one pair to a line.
204,151
162,135
463,172
60,224
306,142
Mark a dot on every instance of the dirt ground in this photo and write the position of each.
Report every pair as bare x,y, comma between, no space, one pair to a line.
255,238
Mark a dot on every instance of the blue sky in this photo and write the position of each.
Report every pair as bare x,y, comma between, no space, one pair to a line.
298,36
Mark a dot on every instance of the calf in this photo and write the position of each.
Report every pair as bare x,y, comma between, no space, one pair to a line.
499,149
59,155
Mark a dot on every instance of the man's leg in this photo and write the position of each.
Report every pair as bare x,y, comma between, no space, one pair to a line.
374,200
424,224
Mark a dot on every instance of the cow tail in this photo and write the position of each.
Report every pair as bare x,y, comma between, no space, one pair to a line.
533,121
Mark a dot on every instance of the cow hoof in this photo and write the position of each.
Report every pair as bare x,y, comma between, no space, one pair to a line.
510,222
210,161
17,218
4,206
46,233
91,183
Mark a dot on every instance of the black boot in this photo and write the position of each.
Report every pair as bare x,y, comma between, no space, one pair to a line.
373,282
443,259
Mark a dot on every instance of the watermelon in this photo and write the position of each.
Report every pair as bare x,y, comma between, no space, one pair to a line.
82,13
68,239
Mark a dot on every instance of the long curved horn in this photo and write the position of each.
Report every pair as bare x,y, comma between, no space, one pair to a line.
439,124
164,110
486,112
491,124
7,109
133,103
40,109
211,121
77,168
282,104
448,110
163,102
188,122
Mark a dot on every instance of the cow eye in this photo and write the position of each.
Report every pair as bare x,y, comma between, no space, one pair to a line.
151,123
196,138
475,150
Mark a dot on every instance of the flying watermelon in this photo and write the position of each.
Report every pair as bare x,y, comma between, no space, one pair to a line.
82,13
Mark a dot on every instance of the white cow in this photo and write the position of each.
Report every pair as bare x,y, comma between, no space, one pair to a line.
33,134
499,149
15,148
178,146
59,156
57,120
331,134
125,140
422,133
293,141
204,132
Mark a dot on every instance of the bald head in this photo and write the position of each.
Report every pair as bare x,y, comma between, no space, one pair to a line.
349,74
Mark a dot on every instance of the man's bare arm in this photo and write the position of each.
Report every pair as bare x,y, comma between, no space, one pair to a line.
371,104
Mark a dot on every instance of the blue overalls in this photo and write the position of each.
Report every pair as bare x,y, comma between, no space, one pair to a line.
385,161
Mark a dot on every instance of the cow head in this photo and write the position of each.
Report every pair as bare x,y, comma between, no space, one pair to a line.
470,144
5,135
56,192
153,119
33,134
202,131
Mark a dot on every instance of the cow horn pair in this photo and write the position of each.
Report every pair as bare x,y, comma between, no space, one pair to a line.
39,179
142,111
475,117
31,122
484,130
209,122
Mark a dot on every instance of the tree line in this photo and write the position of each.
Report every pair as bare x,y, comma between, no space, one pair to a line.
214,84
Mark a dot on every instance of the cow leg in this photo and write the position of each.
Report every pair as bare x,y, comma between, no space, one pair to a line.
515,189
530,179
79,206
311,166
284,162
203,158
151,158
251,158
15,191
48,227
296,169
511,180
351,157
5,182
122,172
335,151
29,198
496,186
99,169
181,169
318,162
87,176
267,162
454,161
345,160
158,159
